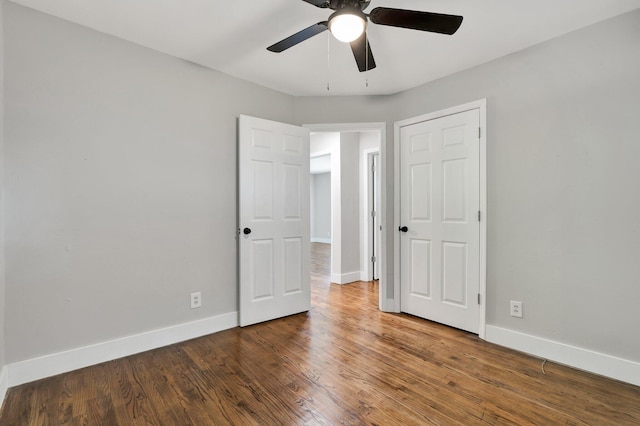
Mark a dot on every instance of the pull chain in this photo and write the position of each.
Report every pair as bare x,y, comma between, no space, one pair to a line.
366,59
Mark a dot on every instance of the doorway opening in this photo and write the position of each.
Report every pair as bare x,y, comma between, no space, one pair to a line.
320,218
345,161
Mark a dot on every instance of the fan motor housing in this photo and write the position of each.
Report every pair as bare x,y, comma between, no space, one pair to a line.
340,4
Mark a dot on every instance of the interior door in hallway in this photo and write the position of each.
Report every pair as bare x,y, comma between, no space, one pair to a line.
273,220
439,217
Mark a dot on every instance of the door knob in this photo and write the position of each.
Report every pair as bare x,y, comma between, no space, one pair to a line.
246,231
403,229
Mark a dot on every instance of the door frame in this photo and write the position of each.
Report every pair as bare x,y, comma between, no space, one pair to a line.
384,303
481,105
372,237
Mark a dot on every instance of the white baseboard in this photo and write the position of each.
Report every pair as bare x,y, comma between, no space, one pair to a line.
62,362
4,383
364,276
345,278
321,240
583,359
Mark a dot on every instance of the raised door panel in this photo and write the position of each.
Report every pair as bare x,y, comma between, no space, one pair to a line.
454,273
420,273
292,189
454,194
262,277
293,267
420,192
262,190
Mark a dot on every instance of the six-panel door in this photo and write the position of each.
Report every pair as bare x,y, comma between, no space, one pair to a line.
273,220
439,252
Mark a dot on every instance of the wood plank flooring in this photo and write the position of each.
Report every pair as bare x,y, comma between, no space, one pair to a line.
344,362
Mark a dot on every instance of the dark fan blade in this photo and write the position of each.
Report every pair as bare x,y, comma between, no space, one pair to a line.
318,3
362,53
299,37
416,20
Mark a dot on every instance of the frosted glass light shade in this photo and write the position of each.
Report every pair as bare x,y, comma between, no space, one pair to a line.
346,27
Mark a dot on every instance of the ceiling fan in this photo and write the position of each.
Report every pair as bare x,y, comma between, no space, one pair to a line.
349,22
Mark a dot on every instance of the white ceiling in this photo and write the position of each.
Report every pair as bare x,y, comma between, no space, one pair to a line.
232,36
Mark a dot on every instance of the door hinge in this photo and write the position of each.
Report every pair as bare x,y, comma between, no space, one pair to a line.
479,215
478,298
479,132
373,213
373,259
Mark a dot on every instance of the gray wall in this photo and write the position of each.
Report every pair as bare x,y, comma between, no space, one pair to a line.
2,279
564,203
321,206
120,185
118,164
564,221
349,201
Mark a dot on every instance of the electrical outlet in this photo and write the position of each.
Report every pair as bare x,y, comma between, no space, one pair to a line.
516,309
196,300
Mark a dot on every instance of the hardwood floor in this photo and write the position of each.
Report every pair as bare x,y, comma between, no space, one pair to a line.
344,362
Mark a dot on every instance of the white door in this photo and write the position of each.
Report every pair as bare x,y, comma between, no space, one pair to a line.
273,220
440,203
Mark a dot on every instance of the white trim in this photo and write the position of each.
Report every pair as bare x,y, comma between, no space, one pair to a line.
347,278
346,127
4,383
396,217
367,220
481,105
62,362
321,240
583,359
382,128
482,321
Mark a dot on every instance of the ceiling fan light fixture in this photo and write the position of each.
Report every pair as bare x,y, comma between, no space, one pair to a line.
347,24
